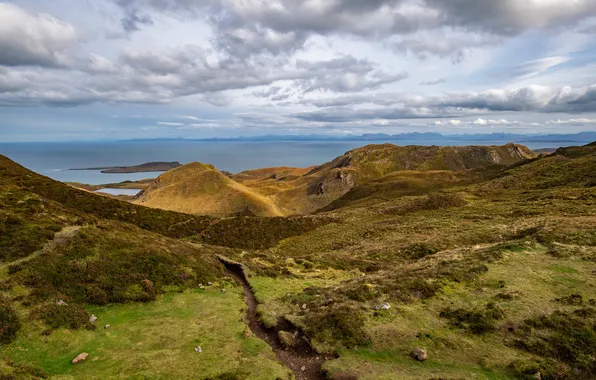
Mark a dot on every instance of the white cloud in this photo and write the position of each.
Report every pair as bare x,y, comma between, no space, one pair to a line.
481,121
453,122
582,120
28,38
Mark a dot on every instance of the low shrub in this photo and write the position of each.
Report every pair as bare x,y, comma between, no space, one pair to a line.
69,316
566,341
233,375
340,324
420,250
434,201
9,322
476,321
257,233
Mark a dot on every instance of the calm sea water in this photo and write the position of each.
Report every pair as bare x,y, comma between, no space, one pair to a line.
54,159
131,192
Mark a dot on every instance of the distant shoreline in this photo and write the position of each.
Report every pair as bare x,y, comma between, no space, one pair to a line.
143,168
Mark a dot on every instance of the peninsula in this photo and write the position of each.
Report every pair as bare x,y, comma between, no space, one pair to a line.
159,166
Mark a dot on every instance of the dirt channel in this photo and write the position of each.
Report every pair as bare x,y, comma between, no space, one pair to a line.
304,362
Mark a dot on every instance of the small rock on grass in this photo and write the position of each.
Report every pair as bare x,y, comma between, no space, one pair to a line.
92,318
198,349
383,306
419,354
287,339
106,327
61,303
80,358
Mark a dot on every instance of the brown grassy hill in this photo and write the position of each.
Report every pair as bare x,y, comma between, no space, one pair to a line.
329,182
197,188
201,189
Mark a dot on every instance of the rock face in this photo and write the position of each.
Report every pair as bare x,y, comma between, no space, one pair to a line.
80,358
419,354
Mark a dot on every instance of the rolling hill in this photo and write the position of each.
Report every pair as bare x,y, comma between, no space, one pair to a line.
487,267
197,188
201,189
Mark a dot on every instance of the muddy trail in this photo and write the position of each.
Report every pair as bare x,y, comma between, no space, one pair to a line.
304,362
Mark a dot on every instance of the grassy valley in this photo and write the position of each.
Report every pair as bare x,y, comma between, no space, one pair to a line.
483,258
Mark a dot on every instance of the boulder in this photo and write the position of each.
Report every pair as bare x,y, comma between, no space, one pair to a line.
383,306
419,354
80,358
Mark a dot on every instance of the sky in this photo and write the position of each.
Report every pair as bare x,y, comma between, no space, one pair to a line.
120,69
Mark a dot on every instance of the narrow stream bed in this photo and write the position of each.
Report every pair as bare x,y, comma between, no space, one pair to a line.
304,362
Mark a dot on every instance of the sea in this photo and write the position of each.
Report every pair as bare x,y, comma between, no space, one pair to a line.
55,159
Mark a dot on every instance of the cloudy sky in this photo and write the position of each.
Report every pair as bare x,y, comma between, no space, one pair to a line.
110,69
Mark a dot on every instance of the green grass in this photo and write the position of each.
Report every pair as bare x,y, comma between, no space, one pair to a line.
154,341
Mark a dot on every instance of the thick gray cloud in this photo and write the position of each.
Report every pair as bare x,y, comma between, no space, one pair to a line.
510,17
246,27
132,21
28,38
162,76
443,43
539,99
528,98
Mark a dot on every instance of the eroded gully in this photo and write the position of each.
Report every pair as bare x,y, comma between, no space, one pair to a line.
301,359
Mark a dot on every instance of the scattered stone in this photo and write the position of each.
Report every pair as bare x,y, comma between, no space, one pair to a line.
201,286
209,283
106,327
303,368
223,291
287,339
80,358
61,303
383,306
419,354
538,376
304,306
198,349
92,318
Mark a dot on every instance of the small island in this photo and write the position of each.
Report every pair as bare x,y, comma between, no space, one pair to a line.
159,166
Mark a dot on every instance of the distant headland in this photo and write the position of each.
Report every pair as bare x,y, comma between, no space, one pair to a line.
146,167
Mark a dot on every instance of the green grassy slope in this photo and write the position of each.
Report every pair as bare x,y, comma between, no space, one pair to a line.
492,272
494,282
100,255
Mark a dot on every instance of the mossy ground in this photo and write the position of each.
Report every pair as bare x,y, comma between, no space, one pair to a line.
154,341
483,276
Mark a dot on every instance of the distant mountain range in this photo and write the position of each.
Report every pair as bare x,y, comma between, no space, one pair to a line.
582,137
